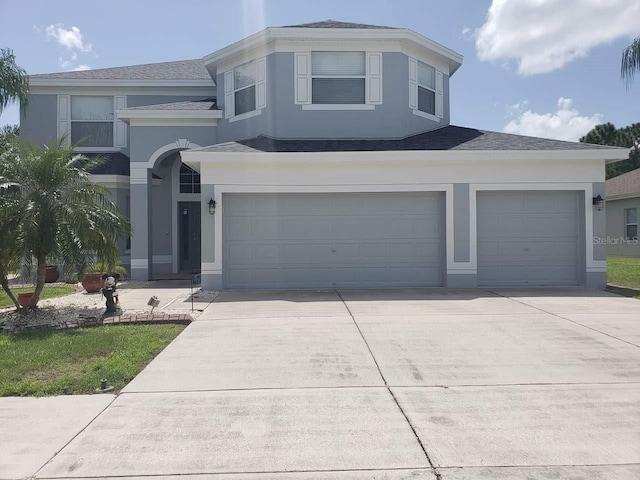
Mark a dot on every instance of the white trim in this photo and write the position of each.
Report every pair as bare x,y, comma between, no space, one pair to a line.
302,78
139,263
338,106
111,181
627,196
439,94
426,115
97,149
85,82
587,188
163,259
409,156
261,83
201,92
63,105
275,34
217,266
168,114
173,122
373,83
120,127
180,144
244,116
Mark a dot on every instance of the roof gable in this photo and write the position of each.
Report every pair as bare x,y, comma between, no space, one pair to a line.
337,24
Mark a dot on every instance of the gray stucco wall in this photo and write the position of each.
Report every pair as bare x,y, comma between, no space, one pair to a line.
39,124
617,245
392,119
461,224
146,140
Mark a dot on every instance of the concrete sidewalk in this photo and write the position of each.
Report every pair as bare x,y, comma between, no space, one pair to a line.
381,384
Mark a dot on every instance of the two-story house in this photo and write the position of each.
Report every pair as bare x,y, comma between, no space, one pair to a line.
321,155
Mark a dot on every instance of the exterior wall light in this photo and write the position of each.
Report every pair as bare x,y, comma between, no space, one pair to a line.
212,206
598,202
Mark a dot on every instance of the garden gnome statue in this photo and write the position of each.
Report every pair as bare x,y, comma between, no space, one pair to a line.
109,292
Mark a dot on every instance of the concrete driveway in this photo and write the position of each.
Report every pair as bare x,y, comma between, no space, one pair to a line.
394,384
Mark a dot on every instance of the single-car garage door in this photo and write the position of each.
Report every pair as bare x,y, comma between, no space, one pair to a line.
529,238
332,240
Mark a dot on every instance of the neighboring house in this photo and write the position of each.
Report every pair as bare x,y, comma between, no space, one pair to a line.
321,155
623,206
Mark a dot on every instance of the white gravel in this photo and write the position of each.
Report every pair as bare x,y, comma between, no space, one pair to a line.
53,311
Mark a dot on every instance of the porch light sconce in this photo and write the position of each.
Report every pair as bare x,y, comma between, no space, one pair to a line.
212,206
598,202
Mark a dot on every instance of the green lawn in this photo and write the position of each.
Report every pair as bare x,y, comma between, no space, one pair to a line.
48,292
73,361
624,272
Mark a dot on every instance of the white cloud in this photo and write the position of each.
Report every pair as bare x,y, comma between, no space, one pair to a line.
565,124
81,68
544,35
71,39
467,33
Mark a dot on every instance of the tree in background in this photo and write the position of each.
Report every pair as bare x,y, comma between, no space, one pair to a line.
10,208
64,215
14,84
629,137
630,61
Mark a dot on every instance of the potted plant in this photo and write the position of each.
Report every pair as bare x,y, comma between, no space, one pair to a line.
51,274
93,275
24,299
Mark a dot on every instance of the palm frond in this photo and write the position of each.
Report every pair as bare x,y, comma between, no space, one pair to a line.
630,62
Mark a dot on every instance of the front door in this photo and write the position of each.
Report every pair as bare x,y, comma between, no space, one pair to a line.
189,235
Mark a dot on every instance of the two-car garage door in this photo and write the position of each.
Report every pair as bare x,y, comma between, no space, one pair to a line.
321,240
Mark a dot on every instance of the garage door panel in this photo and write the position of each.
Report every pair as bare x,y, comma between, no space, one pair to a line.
347,240
528,238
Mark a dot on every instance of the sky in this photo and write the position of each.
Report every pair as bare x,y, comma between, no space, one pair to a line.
548,68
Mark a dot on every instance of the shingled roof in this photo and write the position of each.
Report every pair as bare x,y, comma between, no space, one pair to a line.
625,185
446,138
337,24
179,70
194,105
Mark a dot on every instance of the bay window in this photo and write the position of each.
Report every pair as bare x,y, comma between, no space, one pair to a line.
244,88
426,88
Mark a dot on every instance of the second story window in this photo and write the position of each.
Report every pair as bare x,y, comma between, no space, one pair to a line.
244,88
92,121
426,88
338,78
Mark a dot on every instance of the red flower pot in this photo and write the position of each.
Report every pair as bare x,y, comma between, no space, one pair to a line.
92,282
24,299
51,274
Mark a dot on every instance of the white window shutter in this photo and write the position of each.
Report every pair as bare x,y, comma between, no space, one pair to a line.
261,84
302,78
413,84
439,94
229,104
120,133
374,78
64,117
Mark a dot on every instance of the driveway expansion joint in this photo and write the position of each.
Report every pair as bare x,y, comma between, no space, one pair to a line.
406,417
557,315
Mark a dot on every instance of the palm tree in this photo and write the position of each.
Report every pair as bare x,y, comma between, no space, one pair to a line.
14,83
65,215
630,61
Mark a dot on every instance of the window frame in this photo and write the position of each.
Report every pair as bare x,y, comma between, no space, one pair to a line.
337,106
254,85
112,122
627,224
193,184
426,87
